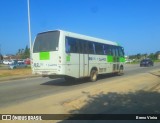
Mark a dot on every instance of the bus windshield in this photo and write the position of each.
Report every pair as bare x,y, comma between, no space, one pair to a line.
47,41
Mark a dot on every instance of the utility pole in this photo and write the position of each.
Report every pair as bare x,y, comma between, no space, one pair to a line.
29,29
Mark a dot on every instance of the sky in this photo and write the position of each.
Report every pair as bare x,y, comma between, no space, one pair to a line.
134,24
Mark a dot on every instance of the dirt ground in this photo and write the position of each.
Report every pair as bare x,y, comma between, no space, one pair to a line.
133,94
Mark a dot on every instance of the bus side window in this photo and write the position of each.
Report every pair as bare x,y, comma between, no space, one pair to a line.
121,52
71,45
104,50
99,48
85,47
67,46
76,46
117,51
122,49
94,48
113,51
109,50
82,46
91,48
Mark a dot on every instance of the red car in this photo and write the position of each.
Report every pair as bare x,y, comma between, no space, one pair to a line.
27,61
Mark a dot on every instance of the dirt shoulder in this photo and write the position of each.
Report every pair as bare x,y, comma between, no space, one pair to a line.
111,96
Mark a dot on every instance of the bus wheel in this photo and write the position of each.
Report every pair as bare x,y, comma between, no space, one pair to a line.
121,72
93,76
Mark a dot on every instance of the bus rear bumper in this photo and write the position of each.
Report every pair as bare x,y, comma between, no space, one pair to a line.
49,74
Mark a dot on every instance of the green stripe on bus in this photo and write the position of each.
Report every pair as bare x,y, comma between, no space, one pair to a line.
67,58
44,55
109,58
122,59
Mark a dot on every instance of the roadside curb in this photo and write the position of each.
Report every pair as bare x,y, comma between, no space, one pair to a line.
17,77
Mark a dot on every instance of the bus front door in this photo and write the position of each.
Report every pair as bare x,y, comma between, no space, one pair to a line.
83,65
83,59
115,60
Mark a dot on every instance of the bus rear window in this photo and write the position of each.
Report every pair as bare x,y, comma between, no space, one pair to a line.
47,41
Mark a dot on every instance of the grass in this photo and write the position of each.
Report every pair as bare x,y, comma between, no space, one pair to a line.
15,72
157,60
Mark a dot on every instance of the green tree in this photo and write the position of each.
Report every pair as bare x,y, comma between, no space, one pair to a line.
23,53
138,56
26,53
152,56
20,53
1,57
132,57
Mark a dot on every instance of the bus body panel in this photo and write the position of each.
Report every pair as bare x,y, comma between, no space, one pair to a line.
72,65
45,65
100,62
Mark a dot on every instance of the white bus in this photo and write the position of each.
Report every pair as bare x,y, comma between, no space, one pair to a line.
65,54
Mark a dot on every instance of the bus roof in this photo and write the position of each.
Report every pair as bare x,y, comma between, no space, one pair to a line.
84,37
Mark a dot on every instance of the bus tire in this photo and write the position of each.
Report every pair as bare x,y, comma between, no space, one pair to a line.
93,75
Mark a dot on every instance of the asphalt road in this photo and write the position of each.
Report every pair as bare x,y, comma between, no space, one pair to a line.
17,91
